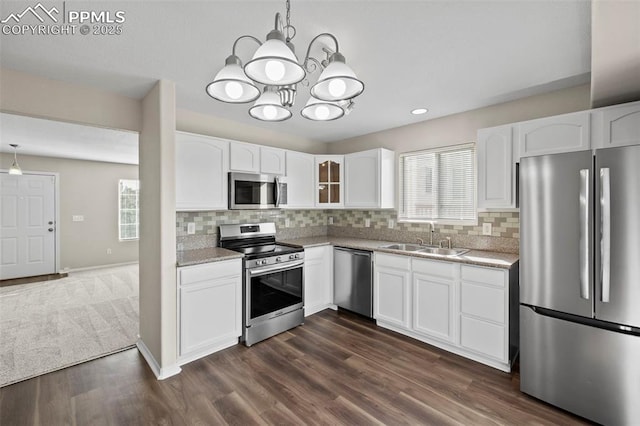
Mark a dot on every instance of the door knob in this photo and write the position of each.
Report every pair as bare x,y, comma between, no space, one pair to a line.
50,229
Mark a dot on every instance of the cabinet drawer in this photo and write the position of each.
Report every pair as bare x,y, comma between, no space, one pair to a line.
208,271
435,268
316,253
483,337
391,261
482,301
490,276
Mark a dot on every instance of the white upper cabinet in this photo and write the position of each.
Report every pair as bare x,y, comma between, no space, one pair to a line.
272,161
244,157
370,179
617,126
202,164
496,168
301,186
552,135
329,180
250,158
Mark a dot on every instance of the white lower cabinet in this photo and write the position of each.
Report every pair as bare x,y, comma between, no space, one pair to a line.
464,309
210,308
318,279
391,289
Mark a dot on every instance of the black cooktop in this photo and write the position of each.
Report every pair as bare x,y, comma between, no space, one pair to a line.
265,250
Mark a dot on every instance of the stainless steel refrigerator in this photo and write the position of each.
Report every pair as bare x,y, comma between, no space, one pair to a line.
580,282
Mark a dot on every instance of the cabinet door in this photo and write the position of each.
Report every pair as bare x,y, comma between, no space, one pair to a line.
362,179
434,307
318,279
620,125
563,133
244,157
202,164
272,161
391,296
301,186
329,179
210,305
495,168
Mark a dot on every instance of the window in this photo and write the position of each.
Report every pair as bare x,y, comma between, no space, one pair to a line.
129,209
438,184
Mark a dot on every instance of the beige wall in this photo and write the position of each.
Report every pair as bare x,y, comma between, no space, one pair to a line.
189,121
158,299
26,94
460,128
90,189
615,52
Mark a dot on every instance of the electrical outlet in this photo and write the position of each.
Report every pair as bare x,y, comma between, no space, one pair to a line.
486,228
191,228
77,218
108,251
391,223
367,222
330,220
287,222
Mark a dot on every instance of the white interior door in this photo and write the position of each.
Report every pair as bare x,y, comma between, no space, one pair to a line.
27,225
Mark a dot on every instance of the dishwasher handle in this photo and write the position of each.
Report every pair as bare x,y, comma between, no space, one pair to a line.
354,251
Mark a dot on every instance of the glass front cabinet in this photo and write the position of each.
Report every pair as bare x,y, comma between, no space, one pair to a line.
330,178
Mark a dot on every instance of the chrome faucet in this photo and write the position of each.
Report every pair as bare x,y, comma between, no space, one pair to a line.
433,229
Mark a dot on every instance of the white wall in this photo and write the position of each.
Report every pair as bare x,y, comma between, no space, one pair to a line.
90,189
461,128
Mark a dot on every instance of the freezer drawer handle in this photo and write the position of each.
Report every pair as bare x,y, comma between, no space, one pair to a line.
584,233
605,244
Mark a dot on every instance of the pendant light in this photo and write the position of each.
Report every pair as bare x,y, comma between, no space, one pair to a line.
268,107
337,82
319,110
15,167
275,65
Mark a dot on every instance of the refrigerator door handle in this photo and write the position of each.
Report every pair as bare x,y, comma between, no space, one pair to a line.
605,244
584,233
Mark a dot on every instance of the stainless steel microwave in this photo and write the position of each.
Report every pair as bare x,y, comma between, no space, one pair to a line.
249,191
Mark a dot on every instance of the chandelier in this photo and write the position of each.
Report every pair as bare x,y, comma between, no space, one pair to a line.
276,68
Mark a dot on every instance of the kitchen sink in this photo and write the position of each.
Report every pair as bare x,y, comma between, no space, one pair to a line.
426,249
443,251
403,247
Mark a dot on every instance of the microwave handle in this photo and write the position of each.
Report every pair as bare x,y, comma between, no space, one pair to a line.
277,190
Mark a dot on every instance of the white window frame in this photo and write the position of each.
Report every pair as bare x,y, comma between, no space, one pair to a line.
120,186
402,216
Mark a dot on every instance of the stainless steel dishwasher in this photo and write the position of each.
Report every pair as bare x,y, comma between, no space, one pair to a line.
353,280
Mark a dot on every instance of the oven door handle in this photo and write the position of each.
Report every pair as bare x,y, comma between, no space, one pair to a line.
275,268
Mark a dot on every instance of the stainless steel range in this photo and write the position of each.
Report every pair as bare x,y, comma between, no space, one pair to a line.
273,284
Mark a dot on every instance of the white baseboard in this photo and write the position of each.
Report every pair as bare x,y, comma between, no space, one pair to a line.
91,268
201,353
160,372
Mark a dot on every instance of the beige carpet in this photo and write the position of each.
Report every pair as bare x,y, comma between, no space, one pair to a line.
50,325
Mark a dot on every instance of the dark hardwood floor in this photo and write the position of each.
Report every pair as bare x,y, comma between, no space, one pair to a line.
335,369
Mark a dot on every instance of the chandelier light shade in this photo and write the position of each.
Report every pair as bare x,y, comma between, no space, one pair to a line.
15,167
274,63
337,82
232,85
275,66
319,110
268,107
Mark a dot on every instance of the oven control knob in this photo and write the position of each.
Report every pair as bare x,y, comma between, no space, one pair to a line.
278,259
262,262
297,256
291,257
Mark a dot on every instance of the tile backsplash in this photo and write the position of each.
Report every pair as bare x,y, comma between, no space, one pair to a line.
351,223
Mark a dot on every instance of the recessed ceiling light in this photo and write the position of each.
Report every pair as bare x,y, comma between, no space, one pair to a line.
419,111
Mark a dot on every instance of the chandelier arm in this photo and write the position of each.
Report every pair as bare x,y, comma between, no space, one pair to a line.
311,64
235,43
278,20
331,36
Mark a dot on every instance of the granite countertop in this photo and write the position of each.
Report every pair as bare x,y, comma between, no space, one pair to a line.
473,257
205,255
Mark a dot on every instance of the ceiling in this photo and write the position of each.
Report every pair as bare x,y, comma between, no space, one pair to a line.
447,56
49,138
